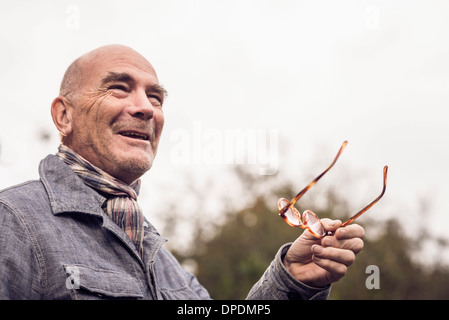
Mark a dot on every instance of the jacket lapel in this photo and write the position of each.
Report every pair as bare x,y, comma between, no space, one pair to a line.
68,194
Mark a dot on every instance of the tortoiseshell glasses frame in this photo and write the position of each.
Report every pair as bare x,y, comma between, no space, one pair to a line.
310,220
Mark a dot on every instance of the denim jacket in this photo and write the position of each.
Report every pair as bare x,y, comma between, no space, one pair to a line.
56,242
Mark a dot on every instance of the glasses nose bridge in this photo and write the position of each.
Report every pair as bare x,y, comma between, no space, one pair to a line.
317,228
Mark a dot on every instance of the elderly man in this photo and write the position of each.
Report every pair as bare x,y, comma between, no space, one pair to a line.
79,233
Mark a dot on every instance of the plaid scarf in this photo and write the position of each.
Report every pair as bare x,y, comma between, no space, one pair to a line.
121,206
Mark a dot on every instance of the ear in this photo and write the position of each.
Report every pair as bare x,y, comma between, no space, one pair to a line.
61,112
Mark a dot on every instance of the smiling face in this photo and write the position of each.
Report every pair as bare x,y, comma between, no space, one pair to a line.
115,112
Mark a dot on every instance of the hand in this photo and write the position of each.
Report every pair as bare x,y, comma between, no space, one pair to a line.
319,262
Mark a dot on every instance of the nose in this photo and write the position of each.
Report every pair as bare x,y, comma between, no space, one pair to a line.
142,107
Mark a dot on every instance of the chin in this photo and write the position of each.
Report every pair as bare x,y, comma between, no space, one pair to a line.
136,164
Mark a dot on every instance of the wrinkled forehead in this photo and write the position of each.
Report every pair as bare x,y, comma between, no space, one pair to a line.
99,63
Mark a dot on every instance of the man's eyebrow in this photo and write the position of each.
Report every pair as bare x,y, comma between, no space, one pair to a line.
159,90
116,77
126,77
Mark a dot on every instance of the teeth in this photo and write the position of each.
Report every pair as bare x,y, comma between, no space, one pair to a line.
134,135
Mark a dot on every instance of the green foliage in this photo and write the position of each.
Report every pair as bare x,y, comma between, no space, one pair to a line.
230,262
400,276
241,251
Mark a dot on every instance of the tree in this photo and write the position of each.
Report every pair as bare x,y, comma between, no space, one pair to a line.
235,257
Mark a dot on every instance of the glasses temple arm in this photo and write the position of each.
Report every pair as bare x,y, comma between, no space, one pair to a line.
358,214
314,181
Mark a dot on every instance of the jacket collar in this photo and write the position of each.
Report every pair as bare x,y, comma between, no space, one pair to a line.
66,191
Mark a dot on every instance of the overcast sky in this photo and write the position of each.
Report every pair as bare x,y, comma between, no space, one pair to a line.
301,76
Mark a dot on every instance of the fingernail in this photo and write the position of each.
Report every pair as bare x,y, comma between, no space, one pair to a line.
316,249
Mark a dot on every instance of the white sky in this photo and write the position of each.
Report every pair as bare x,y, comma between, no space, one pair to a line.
313,72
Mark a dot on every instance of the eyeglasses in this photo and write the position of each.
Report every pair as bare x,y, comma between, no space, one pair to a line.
310,220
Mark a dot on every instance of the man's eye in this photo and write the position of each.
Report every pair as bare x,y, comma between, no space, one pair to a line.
118,87
155,101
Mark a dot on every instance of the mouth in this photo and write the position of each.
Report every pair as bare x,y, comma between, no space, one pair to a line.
135,135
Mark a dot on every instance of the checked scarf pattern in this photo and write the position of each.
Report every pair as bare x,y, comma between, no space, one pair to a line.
121,205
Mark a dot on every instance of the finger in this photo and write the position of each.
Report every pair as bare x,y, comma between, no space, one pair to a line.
341,256
354,244
334,270
351,231
331,225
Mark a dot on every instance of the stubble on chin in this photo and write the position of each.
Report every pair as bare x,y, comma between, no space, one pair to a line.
124,165
137,166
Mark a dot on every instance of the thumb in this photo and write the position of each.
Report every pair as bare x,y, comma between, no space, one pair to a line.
331,225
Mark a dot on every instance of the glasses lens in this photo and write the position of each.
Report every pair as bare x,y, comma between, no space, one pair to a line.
291,216
314,223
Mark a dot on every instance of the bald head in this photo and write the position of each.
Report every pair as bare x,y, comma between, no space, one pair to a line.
81,71
71,80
